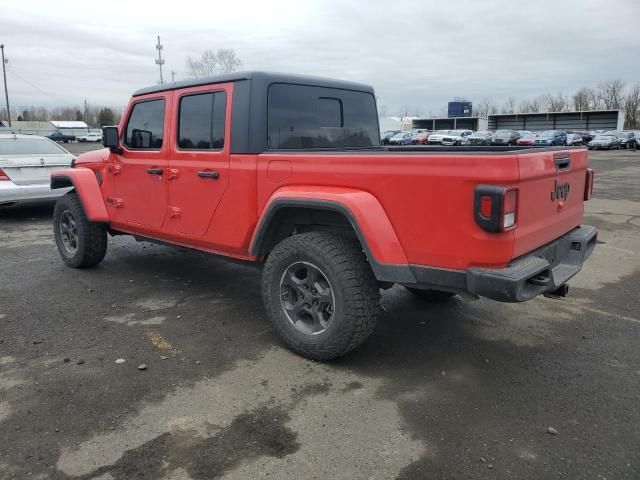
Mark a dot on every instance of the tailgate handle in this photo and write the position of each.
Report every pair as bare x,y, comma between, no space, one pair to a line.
562,163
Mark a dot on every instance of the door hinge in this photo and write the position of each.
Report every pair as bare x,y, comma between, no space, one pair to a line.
115,169
173,173
115,202
174,212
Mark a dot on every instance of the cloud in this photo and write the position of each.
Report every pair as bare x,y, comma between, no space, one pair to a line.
416,53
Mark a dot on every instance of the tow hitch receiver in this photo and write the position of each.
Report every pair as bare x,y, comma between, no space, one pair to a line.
559,292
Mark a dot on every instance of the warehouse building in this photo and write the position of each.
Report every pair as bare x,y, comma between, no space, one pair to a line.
44,128
580,121
455,123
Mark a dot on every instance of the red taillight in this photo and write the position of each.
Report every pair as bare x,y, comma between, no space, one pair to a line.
588,186
3,176
496,207
485,206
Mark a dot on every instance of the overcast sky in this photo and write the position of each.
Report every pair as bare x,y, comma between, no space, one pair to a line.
415,53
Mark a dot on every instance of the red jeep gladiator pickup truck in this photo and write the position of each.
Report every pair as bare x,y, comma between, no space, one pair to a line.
288,170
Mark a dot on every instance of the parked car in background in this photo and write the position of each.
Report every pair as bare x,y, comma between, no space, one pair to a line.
402,138
527,140
482,137
456,137
90,137
386,136
26,163
586,136
549,138
574,139
420,137
437,136
505,137
524,133
627,139
604,142
61,137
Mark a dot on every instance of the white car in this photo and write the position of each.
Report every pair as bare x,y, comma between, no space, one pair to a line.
456,137
90,137
26,163
436,137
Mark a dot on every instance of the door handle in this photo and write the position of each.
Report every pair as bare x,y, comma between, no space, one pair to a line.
155,171
214,175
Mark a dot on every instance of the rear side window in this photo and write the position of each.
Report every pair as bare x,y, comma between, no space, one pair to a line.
302,117
145,128
201,122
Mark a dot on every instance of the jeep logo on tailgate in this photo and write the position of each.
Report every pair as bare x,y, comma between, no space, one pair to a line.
560,191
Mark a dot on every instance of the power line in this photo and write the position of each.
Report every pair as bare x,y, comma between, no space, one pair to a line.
12,72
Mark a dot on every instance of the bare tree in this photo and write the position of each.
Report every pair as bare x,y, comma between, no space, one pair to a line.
485,107
509,106
558,103
228,61
582,99
611,94
632,108
416,112
224,60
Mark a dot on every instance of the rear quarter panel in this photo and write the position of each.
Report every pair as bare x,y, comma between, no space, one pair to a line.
427,197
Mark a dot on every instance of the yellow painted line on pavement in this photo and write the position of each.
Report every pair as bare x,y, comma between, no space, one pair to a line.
159,342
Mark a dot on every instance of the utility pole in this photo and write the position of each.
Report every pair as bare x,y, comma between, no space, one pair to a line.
6,91
173,76
159,60
86,112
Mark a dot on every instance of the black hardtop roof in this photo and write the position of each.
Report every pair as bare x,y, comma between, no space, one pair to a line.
256,76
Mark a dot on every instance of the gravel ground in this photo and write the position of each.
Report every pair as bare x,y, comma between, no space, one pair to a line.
546,389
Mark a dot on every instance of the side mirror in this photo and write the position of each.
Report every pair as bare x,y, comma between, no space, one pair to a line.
110,139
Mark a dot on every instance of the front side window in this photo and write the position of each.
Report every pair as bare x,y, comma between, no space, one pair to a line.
145,129
301,116
201,121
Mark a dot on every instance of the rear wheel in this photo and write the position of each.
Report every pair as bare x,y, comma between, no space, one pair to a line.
320,294
431,295
81,243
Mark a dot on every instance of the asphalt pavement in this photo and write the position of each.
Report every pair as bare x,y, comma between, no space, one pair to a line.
545,389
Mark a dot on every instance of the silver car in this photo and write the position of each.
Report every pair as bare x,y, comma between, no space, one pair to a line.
26,163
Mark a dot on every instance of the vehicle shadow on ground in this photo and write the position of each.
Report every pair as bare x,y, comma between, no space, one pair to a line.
26,213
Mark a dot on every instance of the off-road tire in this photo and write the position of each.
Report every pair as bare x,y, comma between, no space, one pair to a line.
91,236
431,295
355,292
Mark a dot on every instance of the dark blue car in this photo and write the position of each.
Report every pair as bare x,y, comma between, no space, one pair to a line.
549,138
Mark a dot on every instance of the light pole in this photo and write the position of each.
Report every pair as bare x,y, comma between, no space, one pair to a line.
6,91
159,60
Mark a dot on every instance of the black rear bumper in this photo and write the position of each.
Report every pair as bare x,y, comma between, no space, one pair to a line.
542,271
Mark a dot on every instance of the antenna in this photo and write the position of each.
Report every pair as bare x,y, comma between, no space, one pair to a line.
159,60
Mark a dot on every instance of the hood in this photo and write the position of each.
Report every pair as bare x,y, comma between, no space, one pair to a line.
93,156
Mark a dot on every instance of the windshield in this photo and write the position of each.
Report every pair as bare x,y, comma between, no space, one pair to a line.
548,134
604,137
29,146
503,133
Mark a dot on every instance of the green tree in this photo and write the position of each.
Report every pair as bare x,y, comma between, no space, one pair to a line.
79,116
106,117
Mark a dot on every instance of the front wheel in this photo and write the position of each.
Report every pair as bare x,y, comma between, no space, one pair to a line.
320,294
81,243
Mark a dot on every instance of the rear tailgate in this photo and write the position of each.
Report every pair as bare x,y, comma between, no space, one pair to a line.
551,196
33,169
